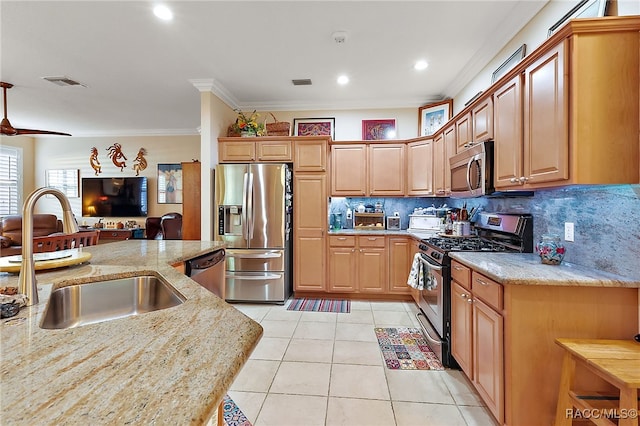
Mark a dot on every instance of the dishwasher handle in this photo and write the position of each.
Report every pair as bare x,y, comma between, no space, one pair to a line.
205,262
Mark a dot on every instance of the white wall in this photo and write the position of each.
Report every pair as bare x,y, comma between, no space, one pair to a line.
533,35
74,153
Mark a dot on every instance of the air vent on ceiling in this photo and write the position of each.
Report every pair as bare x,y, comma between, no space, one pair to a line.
63,81
302,82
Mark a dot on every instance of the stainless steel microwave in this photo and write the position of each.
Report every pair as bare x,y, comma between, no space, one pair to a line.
472,171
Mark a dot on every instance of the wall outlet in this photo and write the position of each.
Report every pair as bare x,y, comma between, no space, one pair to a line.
568,231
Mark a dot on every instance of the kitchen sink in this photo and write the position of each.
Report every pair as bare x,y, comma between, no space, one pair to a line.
89,303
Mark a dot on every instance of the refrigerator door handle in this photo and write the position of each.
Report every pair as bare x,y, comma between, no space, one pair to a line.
244,206
275,255
262,277
250,212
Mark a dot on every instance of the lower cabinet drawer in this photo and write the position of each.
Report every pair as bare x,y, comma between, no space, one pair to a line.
115,235
342,240
487,290
371,241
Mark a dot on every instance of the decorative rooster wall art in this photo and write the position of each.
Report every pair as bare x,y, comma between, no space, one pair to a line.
140,163
95,163
116,155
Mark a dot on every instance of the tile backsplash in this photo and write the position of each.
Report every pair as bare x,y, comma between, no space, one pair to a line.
606,219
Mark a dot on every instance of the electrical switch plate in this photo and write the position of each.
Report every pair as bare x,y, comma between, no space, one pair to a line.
568,231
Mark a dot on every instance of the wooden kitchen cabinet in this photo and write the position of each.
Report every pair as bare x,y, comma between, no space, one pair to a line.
400,260
461,332
310,226
349,170
450,149
372,264
420,168
342,264
415,248
438,165
386,171
367,169
464,132
310,155
482,121
579,125
477,337
264,149
191,200
513,331
358,264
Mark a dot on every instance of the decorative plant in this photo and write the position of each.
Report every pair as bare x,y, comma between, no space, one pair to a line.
249,124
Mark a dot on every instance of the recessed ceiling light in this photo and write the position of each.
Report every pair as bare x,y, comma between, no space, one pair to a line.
163,12
343,79
421,65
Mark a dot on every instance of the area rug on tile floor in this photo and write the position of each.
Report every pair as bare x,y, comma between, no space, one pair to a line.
405,348
320,305
232,414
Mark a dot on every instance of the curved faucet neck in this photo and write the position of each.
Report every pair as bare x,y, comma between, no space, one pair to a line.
27,279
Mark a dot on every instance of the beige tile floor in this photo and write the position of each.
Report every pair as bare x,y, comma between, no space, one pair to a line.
314,368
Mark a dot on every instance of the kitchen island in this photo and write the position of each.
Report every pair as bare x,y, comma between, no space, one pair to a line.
507,311
171,366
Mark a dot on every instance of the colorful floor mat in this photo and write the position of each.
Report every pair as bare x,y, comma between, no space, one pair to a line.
320,305
233,416
406,349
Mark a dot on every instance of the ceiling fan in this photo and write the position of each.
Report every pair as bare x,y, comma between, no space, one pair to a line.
8,130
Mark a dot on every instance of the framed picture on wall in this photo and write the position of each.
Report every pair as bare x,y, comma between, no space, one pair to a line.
584,9
169,183
432,117
314,127
378,129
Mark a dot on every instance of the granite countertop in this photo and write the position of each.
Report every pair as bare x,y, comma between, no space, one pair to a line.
171,366
402,232
526,269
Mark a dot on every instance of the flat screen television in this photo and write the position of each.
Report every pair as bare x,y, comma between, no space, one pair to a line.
114,197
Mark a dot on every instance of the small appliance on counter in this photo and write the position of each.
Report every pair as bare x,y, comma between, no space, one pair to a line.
368,221
393,222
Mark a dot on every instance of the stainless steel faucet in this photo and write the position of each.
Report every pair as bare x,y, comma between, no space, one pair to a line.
27,280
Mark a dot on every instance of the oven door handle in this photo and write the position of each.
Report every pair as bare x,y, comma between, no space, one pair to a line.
431,265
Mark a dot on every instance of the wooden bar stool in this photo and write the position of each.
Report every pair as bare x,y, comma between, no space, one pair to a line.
615,361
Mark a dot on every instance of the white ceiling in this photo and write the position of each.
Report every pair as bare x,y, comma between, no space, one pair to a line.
138,70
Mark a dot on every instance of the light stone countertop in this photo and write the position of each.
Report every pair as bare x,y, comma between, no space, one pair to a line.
171,366
527,269
418,235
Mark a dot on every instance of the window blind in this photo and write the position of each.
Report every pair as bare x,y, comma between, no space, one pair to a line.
10,185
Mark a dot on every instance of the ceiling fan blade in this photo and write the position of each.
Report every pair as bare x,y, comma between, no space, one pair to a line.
8,130
39,132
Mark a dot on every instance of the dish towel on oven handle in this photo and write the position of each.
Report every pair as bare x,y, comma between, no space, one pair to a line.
420,276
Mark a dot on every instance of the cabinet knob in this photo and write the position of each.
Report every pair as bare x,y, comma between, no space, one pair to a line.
361,250
514,180
469,300
524,179
463,295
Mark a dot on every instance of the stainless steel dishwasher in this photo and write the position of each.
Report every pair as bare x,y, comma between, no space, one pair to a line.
208,271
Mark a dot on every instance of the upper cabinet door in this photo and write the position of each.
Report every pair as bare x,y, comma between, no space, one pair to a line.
483,121
438,165
546,110
464,132
386,169
349,170
508,134
310,156
420,168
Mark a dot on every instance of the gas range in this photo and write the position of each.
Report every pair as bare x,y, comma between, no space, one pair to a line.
495,232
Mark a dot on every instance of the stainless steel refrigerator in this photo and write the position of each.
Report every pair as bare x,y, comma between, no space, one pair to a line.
253,205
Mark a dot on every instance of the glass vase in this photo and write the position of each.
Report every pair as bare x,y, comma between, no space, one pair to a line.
550,249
